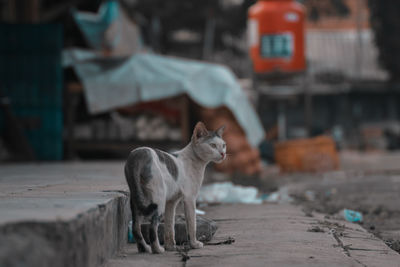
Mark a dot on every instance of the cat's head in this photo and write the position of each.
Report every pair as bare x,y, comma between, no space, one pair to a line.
209,145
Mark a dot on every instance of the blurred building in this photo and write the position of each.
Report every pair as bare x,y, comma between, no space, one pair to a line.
345,91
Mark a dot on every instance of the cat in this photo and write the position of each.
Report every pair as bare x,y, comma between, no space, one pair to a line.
158,180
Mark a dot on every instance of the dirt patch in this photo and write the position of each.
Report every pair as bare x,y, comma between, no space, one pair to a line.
393,244
374,195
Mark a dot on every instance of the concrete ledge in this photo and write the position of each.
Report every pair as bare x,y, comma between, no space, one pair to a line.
88,240
54,215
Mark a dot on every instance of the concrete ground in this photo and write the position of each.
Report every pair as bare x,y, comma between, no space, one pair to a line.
76,214
274,235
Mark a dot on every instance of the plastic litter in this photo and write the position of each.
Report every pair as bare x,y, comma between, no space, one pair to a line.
131,239
200,212
280,196
310,195
351,215
227,192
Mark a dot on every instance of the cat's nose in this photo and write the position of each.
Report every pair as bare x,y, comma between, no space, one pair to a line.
222,154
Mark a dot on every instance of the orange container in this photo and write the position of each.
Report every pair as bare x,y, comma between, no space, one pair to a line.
276,36
308,155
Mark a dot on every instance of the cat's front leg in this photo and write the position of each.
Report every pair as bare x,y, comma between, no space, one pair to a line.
153,234
190,215
169,223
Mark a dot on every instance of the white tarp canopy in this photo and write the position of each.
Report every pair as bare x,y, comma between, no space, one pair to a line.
115,82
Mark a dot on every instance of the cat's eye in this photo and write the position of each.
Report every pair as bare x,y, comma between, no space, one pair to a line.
224,145
213,145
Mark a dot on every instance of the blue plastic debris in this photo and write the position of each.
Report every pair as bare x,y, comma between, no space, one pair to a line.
352,216
94,25
131,239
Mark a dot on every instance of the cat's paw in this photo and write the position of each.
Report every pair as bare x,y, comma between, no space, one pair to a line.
148,249
196,244
158,250
170,247
144,248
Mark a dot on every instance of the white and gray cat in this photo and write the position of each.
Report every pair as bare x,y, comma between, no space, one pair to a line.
158,181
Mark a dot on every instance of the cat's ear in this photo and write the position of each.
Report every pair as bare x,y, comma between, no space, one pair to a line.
220,131
199,131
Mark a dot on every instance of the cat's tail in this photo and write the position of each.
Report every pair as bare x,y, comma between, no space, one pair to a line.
132,175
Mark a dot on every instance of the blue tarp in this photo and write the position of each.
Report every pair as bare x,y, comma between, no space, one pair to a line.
94,25
115,82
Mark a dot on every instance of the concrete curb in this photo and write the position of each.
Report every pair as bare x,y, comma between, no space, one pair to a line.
89,239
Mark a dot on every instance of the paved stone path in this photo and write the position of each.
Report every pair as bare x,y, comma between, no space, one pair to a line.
274,235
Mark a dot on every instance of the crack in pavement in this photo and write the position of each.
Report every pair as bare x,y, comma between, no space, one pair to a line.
337,230
183,251
117,191
346,248
340,242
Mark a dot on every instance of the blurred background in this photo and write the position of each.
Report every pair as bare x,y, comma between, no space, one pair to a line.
295,82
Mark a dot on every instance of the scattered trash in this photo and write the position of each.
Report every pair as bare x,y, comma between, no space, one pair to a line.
281,196
229,193
316,229
184,252
308,211
331,192
351,215
185,257
229,241
200,212
310,195
264,196
131,239
393,244
274,197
